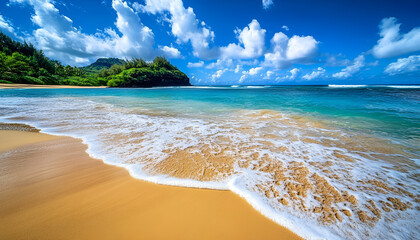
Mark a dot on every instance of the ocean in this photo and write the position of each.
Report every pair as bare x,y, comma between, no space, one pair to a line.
334,162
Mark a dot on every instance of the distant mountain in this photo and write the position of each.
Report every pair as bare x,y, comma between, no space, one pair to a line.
103,63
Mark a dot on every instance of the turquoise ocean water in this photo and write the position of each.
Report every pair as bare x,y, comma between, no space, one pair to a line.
325,161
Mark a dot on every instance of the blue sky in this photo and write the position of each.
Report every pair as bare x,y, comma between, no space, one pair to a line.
232,42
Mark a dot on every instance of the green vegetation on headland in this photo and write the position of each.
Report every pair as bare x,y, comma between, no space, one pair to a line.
102,63
139,73
23,63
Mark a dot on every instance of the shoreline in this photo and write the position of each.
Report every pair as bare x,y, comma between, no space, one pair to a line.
54,190
16,85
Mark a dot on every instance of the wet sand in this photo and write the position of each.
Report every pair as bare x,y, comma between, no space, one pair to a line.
51,189
9,86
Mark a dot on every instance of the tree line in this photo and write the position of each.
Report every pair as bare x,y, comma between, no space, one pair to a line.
23,63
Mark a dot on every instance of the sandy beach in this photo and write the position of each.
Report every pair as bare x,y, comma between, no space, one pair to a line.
51,189
10,86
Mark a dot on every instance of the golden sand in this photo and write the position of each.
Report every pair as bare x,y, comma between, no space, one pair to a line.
51,189
5,85
12,139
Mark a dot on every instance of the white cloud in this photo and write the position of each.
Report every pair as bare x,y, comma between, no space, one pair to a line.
195,65
348,71
285,27
250,72
60,40
267,3
184,25
217,75
285,51
220,63
315,74
251,39
301,47
238,68
6,26
136,39
170,52
251,43
293,73
404,65
243,77
336,61
255,71
392,43
268,74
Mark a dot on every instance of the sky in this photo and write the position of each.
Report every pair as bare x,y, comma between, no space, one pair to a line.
232,42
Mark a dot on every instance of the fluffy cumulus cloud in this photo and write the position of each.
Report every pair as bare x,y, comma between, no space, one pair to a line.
404,65
293,73
392,43
287,51
196,64
319,72
238,68
217,75
136,38
255,71
290,75
220,63
267,3
251,72
268,74
170,52
6,26
59,39
184,25
251,43
336,60
353,68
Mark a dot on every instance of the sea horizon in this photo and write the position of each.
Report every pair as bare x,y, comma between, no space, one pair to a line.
303,85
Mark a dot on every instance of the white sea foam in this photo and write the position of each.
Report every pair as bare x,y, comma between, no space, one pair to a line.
346,86
207,87
373,86
404,86
293,223
141,139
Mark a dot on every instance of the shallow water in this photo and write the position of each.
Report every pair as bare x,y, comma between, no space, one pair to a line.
324,161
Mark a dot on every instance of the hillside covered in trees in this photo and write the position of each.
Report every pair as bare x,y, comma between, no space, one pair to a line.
139,73
23,63
102,63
